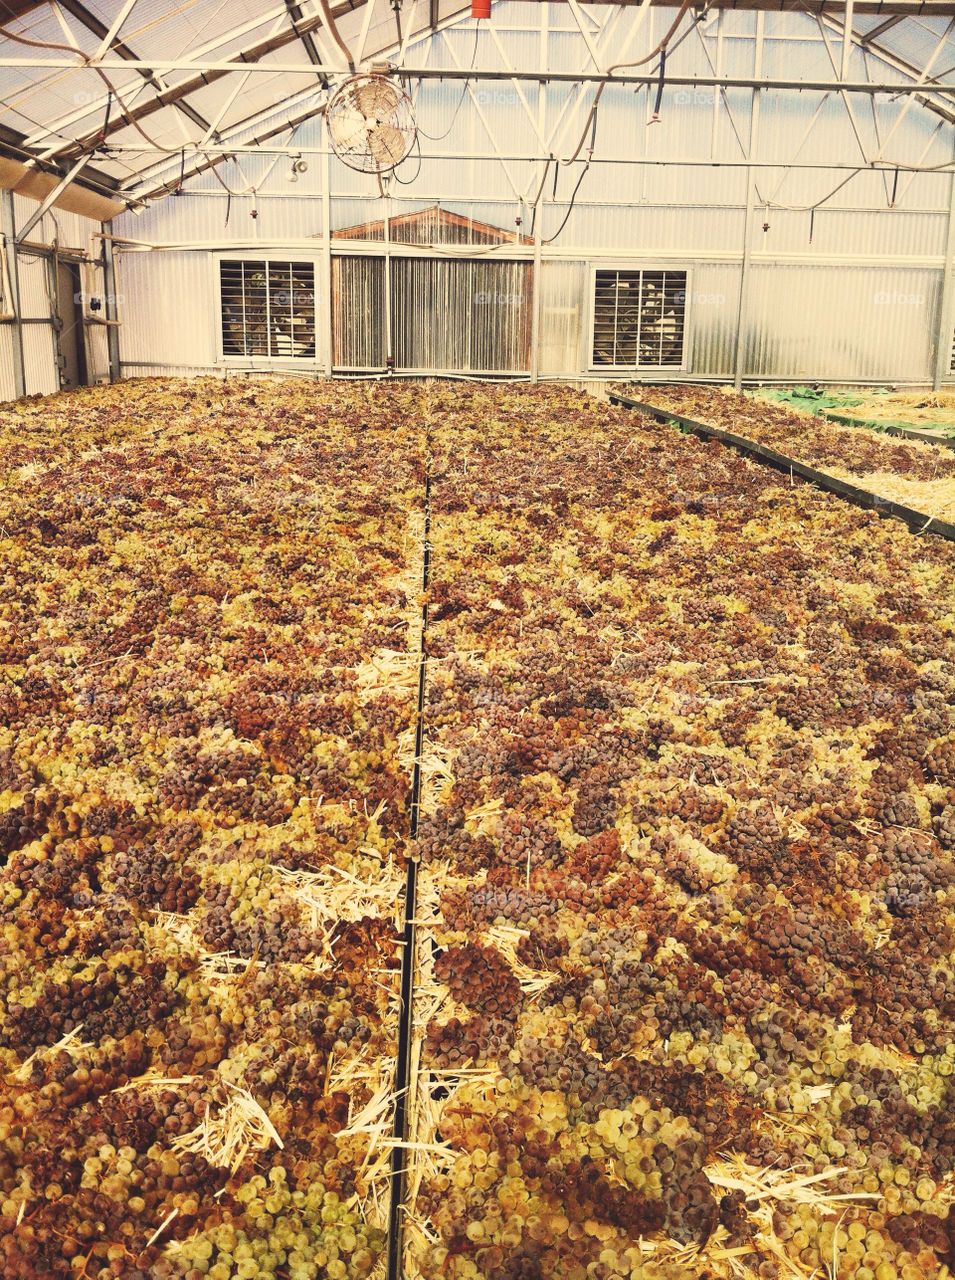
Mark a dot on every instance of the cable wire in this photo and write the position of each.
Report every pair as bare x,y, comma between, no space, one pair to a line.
87,64
407,182
464,93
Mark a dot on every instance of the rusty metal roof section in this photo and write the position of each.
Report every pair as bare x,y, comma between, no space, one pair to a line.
432,226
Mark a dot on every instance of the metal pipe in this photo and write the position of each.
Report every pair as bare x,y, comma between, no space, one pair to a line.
943,335
327,314
536,279
389,348
484,73
581,203
9,229
552,253
112,314
670,162
742,313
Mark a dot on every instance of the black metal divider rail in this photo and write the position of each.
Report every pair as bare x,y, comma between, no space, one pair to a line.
889,429
409,939
917,521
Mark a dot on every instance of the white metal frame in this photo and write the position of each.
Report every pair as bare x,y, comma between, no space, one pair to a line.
633,264
216,259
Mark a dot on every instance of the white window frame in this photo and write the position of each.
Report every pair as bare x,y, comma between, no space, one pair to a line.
266,362
661,370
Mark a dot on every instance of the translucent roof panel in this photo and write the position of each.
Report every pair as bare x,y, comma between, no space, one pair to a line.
53,108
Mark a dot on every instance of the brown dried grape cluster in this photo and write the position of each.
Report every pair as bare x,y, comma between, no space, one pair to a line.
686,873
201,762
799,435
742,941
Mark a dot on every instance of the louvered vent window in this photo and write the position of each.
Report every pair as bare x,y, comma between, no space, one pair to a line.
268,309
639,318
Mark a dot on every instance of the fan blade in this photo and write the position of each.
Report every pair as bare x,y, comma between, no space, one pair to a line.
376,98
347,131
387,144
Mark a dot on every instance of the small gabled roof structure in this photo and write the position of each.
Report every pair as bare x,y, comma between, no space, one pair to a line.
433,225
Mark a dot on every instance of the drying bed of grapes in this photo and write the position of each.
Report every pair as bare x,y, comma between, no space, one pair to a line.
685,989
921,476
209,625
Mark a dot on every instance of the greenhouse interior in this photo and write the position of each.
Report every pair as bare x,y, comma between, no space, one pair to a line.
477,640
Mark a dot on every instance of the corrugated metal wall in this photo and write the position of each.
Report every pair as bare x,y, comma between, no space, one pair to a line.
165,309
41,303
671,194
8,386
469,316
358,313
827,322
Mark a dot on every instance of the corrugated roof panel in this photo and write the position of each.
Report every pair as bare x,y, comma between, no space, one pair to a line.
158,28
916,39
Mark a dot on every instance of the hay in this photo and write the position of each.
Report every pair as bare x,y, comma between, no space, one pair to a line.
936,498
156,1082
506,939
230,1130
926,410
214,966
161,1228
388,671
70,1043
734,1173
434,762
332,893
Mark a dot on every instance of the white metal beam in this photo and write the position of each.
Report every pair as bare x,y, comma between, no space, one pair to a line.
946,319
846,101
132,88
742,313
537,124
51,199
113,31
574,99
533,74
942,41
585,34
498,153
846,41
8,230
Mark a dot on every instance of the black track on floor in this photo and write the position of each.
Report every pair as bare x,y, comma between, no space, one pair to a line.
409,939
